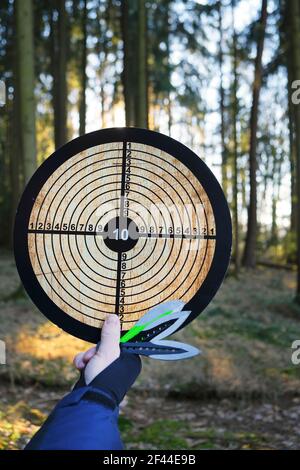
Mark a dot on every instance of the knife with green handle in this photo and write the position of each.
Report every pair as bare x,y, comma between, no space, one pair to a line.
146,336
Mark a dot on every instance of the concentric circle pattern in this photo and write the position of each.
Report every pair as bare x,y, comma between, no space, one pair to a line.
118,227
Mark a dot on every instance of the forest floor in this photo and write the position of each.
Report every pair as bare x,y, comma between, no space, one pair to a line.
242,393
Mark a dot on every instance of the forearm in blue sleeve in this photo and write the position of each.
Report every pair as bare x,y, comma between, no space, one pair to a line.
87,418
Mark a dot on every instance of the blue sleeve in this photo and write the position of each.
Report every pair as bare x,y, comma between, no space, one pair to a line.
85,419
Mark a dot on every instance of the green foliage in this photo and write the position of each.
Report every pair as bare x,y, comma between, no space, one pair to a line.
163,434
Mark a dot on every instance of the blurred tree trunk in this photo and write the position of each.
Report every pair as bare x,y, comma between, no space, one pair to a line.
293,223
277,172
129,45
12,166
59,72
169,112
26,85
102,49
222,104
286,44
294,14
102,100
234,107
243,188
135,76
82,99
14,138
249,256
167,19
169,100
142,92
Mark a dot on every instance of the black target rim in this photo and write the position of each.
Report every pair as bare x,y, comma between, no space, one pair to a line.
177,150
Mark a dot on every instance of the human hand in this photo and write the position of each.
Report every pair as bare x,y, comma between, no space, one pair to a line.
94,360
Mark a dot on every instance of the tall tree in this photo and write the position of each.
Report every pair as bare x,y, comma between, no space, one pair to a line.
102,50
168,52
135,76
15,139
288,53
26,82
128,18
234,107
142,89
249,256
83,62
295,48
59,36
293,159
222,101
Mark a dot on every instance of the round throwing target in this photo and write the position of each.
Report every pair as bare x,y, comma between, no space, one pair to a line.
118,221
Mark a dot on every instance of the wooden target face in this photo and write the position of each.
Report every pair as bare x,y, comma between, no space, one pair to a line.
118,221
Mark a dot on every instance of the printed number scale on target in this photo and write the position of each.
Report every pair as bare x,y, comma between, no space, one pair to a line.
119,221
